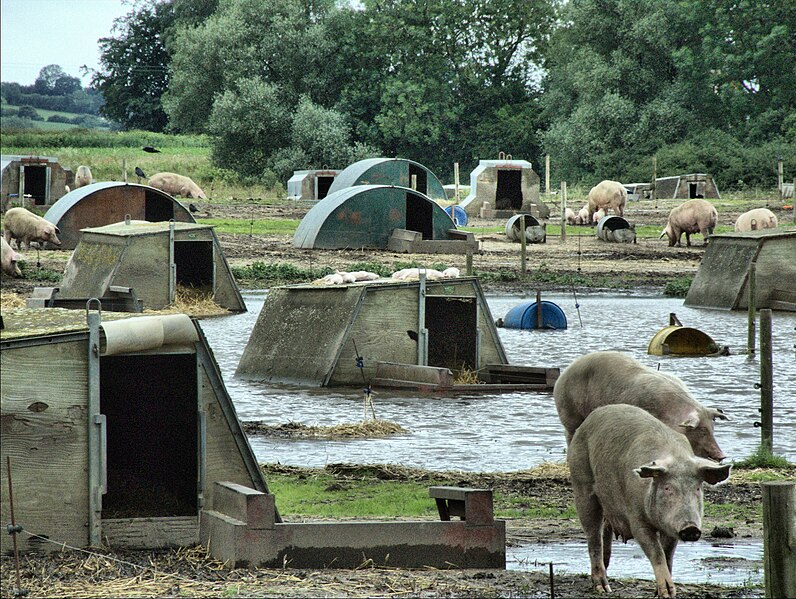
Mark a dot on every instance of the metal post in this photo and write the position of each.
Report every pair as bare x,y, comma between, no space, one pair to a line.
779,538
750,335
780,179
563,211
422,331
547,174
523,243
455,183
95,449
766,382
654,178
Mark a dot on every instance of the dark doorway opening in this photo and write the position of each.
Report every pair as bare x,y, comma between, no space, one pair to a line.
693,191
452,324
422,178
36,184
508,194
150,403
157,208
194,260
323,185
419,215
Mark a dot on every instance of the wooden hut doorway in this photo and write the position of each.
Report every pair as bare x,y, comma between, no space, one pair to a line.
508,193
452,324
35,183
150,404
419,215
194,260
322,185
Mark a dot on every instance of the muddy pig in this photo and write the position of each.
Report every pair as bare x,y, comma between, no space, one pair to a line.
610,377
9,259
24,226
633,477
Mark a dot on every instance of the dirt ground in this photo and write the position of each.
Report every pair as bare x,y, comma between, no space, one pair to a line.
647,264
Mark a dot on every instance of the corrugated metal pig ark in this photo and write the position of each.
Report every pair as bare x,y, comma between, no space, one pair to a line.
111,202
117,428
154,259
390,171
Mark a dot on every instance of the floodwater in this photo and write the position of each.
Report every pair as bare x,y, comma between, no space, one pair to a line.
515,431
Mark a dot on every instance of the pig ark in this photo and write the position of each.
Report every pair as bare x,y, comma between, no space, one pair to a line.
24,226
9,259
610,377
606,194
754,220
177,185
633,477
693,216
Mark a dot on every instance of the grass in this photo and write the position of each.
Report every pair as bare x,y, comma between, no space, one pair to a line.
763,458
277,274
678,287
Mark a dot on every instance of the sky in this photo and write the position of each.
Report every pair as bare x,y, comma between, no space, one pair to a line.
36,33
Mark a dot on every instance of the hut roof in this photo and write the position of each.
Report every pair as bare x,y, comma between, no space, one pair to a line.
386,171
144,228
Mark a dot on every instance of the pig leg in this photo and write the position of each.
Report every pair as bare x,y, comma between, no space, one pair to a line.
608,539
647,539
688,239
669,545
590,513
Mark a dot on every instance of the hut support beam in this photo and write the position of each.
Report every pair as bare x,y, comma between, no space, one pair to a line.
96,433
422,331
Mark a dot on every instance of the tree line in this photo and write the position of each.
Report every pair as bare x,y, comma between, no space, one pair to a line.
53,89
601,85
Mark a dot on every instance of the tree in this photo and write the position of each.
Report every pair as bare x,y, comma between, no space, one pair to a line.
134,67
48,76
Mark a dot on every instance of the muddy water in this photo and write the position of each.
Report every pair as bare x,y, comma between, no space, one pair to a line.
508,432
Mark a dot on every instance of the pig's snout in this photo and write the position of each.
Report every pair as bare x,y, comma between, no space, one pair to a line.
690,533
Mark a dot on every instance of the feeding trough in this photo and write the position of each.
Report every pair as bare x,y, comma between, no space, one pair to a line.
616,228
535,315
678,340
457,214
535,231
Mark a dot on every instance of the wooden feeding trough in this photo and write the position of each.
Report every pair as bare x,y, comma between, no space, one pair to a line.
616,228
312,335
535,231
117,427
679,340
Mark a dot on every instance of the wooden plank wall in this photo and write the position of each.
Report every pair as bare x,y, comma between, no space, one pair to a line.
43,402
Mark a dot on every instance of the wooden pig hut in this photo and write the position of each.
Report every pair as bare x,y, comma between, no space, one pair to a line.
509,186
390,171
117,428
110,202
154,259
38,180
312,335
687,187
722,280
381,217
310,185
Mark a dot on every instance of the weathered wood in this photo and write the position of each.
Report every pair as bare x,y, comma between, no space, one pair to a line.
766,382
151,533
779,538
751,315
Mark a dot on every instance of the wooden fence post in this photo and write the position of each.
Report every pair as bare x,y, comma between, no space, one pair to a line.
523,244
750,334
547,174
563,211
766,382
779,538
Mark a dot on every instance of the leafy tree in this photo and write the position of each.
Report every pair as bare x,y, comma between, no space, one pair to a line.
47,78
134,73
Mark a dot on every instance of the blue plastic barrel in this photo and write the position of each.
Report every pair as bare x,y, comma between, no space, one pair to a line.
523,316
459,215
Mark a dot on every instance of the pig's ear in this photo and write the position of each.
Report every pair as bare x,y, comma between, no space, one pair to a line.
691,422
713,473
717,414
651,470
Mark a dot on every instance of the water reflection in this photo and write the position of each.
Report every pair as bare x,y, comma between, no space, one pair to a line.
507,432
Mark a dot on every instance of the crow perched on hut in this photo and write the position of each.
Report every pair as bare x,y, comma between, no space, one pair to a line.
151,150
140,173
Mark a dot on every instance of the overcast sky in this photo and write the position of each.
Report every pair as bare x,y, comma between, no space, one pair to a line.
35,33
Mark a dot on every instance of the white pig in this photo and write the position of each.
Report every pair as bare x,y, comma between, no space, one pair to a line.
635,478
758,218
9,259
693,216
24,226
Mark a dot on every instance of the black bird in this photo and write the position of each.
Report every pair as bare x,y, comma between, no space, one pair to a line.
151,150
139,173
193,208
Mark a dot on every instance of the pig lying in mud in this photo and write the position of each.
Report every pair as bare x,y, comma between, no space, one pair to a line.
609,377
24,226
635,478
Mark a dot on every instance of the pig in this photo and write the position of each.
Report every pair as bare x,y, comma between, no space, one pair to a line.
24,226
569,216
9,259
408,274
598,216
606,194
610,377
364,275
753,220
83,176
582,218
177,185
634,477
450,273
693,216
332,279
